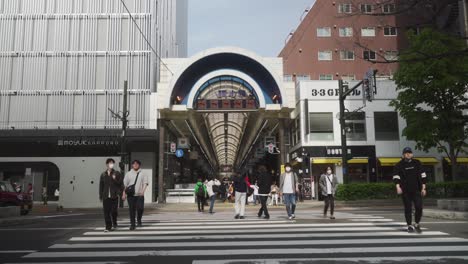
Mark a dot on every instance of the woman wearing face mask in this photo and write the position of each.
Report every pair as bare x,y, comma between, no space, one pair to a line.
289,186
328,183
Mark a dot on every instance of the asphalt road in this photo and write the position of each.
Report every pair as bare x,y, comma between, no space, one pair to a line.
358,235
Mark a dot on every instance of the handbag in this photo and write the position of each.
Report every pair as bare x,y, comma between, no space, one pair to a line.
130,191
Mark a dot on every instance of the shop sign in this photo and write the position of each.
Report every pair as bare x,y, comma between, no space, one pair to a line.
73,142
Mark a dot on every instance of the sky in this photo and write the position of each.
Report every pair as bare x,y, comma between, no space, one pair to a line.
257,25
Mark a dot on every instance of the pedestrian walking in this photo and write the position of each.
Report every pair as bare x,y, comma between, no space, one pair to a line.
410,180
264,188
240,189
289,186
44,195
110,186
201,193
328,183
274,192
255,192
211,192
135,184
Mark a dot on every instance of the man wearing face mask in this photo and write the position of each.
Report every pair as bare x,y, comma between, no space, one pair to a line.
328,183
110,186
410,180
289,186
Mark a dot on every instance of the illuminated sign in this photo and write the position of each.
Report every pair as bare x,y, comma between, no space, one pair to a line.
226,104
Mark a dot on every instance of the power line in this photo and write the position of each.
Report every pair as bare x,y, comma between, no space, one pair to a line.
144,37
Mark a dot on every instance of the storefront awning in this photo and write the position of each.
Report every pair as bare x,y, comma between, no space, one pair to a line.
338,160
393,161
459,160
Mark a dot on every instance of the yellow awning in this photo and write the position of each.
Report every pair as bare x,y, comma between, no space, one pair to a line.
326,160
389,161
358,161
459,160
393,161
338,160
428,161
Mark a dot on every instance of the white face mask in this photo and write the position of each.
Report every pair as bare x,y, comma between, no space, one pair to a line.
329,171
110,165
288,169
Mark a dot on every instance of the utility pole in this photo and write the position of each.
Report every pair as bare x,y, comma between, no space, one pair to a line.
344,147
369,89
122,116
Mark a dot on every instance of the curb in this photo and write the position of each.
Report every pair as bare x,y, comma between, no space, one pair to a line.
445,214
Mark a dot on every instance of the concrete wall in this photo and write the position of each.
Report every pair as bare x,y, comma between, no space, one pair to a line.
79,177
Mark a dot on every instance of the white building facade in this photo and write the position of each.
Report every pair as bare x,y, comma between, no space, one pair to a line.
374,134
63,64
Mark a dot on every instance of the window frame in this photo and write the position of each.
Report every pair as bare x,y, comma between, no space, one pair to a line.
324,36
326,75
378,134
387,53
347,52
341,10
369,53
390,28
345,29
365,11
325,51
392,10
368,28
329,115
362,121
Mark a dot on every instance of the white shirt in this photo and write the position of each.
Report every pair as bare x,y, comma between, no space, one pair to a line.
329,181
255,188
287,185
141,182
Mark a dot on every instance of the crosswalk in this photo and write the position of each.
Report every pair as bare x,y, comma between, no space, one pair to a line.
353,238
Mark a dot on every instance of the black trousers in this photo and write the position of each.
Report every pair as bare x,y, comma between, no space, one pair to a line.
263,209
136,205
110,212
329,202
201,200
408,200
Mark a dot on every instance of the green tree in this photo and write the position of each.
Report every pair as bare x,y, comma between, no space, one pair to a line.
432,93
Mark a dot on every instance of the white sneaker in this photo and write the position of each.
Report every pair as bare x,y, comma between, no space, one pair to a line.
105,230
293,216
290,218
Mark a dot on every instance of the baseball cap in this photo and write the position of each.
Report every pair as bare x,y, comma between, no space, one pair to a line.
407,150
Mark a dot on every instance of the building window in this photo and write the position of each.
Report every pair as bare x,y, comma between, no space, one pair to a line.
346,55
366,8
348,77
389,8
368,32
356,126
386,126
344,8
324,32
390,31
391,55
321,126
369,55
346,32
326,77
302,77
325,55
288,78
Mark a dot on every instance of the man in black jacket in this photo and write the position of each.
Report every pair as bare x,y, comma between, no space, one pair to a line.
240,188
110,187
410,180
264,187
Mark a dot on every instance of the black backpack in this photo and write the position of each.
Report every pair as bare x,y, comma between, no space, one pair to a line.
216,189
200,191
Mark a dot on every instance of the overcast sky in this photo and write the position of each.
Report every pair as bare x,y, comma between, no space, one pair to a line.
258,25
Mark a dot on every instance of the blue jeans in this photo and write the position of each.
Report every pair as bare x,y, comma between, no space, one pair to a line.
290,201
212,201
